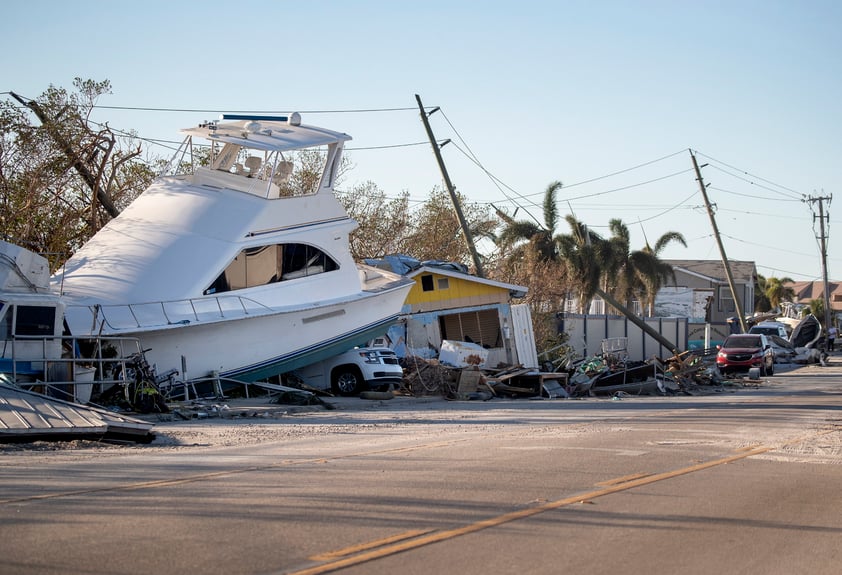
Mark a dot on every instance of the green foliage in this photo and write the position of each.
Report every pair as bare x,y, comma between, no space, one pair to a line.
817,308
61,175
384,223
520,235
435,232
776,291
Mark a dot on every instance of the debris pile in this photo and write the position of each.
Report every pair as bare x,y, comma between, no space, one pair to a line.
425,377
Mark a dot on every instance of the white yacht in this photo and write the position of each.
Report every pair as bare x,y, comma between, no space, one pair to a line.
235,262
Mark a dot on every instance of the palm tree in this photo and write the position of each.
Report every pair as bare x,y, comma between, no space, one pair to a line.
659,271
582,252
776,291
586,255
817,309
639,273
540,238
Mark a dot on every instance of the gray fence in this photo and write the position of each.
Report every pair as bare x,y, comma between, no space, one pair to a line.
587,333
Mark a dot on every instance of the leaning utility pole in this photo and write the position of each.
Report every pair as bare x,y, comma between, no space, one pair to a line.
458,208
823,245
737,303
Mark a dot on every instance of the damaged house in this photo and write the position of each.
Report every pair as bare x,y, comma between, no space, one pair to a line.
448,304
701,293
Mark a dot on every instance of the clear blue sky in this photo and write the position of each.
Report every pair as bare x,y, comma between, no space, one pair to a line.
606,96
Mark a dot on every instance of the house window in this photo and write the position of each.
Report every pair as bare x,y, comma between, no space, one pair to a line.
264,265
443,283
427,283
726,302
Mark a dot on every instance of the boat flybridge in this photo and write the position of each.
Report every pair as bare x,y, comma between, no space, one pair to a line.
235,262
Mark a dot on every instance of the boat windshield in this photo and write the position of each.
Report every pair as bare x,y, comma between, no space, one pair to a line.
271,158
285,174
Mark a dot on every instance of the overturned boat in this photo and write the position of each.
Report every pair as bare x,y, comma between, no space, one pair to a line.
806,332
235,262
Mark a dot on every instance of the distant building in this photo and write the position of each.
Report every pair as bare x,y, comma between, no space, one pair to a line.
805,292
701,293
698,280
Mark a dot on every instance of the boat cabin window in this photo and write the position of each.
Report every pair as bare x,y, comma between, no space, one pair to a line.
28,320
269,264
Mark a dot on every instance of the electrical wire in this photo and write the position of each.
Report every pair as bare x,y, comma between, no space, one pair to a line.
280,112
754,197
793,192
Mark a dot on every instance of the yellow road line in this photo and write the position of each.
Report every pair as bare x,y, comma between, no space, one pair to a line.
370,545
515,515
624,479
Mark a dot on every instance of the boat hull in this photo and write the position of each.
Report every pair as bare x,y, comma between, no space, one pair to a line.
807,333
254,347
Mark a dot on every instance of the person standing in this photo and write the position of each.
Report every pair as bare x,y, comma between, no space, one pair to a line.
831,337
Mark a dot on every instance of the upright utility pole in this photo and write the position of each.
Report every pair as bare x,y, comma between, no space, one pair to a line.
737,300
823,245
456,206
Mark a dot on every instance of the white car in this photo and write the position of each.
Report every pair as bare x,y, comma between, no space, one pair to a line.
770,328
356,370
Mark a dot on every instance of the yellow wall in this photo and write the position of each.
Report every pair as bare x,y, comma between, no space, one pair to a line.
459,293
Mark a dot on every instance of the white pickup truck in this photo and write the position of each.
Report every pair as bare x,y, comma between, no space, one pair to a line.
362,368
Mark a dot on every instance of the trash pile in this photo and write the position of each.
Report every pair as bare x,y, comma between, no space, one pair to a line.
688,373
426,377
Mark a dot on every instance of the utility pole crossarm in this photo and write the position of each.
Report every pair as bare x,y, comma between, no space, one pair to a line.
453,198
823,246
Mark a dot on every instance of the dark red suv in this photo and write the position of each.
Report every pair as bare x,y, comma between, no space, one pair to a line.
741,352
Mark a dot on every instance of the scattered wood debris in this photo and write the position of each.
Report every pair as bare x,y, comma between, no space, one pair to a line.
429,377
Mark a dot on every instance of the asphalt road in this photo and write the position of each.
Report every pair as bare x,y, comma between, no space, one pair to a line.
747,480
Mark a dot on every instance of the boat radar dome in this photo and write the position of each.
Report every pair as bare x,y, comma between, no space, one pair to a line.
294,119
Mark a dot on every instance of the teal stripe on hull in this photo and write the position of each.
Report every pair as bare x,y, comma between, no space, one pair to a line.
312,354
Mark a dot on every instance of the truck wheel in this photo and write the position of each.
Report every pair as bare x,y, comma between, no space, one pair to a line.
347,380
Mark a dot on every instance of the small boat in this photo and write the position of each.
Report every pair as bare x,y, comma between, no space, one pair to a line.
37,354
630,377
806,333
235,262
594,376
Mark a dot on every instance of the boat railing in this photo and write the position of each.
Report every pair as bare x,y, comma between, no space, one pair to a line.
269,175
172,312
84,362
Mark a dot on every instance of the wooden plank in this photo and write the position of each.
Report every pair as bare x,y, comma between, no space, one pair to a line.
468,381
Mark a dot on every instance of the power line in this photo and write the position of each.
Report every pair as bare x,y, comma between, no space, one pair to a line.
794,192
789,273
494,180
280,112
630,186
754,197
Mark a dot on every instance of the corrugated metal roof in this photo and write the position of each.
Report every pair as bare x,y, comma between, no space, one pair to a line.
26,416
